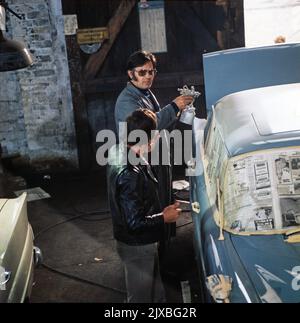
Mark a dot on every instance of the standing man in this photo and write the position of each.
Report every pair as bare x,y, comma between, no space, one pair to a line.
141,70
137,215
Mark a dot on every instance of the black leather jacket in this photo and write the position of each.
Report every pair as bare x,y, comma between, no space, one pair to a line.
134,202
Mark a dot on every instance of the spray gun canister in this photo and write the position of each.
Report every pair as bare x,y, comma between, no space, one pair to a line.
188,114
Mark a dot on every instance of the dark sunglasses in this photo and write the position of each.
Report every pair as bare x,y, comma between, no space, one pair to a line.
144,72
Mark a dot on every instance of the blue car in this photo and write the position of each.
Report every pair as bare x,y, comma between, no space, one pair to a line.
245,179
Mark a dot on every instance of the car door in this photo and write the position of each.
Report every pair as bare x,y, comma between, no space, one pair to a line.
16,250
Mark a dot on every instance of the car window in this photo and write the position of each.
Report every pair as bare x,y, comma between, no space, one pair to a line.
262,191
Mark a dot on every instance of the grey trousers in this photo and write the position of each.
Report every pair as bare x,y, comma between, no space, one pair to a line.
142,276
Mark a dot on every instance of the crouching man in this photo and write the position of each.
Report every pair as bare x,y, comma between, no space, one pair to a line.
138,219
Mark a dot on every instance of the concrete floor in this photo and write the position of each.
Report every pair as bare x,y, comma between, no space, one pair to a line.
73,229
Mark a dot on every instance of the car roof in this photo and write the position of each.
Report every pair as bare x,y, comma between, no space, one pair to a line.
261,118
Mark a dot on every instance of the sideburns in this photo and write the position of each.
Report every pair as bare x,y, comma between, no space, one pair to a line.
134,78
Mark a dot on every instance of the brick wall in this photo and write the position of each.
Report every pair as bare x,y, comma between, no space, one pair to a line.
36,112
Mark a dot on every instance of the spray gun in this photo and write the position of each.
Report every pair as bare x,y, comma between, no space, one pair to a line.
188,114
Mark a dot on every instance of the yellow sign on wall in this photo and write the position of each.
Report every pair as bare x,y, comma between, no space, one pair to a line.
92,35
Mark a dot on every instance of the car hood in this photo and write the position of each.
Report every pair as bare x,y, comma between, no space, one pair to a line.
13,222
2,203
273,266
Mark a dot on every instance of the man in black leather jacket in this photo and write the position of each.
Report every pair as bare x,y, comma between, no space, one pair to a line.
137,215
141,71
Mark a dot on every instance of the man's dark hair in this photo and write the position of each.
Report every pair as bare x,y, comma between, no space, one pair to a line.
141,119
140,58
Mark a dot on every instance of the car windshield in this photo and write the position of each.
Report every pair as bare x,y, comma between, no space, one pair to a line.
262,191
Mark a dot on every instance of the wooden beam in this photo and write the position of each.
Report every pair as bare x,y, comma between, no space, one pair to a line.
166,80
83,138
115,25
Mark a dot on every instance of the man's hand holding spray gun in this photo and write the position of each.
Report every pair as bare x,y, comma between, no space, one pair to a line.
188,113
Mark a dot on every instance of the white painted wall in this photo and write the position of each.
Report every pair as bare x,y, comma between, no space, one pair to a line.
267,19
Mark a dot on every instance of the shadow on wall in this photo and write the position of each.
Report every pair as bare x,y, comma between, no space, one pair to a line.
50,149
100,111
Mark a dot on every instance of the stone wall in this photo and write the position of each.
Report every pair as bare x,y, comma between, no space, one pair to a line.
36,111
